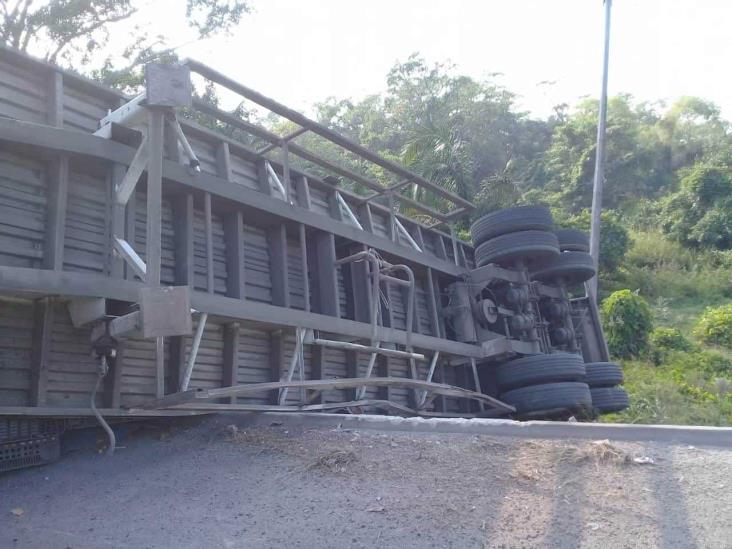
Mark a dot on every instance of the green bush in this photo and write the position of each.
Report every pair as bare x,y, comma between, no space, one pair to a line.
669,339
715,326
627,321
663,340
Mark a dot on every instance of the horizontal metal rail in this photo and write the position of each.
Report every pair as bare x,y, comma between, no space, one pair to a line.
325,132
202,395
348,346
46,282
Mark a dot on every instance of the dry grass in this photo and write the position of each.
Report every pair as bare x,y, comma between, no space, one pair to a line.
599,452
335,460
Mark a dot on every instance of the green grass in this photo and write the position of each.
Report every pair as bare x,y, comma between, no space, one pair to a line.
688,387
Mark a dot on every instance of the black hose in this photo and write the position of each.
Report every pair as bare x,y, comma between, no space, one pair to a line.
102,371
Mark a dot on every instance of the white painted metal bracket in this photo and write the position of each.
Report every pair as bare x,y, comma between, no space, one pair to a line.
345,208
274,181
406,234
123,248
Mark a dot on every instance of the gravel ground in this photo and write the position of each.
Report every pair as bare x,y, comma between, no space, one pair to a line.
210,483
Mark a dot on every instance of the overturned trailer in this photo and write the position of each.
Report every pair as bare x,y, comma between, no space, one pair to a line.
160,256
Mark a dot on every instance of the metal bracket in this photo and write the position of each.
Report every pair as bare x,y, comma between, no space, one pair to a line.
123,248
345,208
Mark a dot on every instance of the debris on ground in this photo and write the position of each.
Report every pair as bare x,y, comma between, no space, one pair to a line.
603,452
336,461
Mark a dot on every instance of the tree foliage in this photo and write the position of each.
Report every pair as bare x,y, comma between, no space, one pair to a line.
700,213
74,31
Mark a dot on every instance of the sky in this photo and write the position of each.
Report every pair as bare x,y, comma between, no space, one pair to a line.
547,51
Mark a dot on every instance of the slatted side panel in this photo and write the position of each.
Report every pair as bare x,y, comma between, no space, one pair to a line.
319,200
244,172
398,305
295,274
448,249
450,377
363,363
139,375
429,243
167,236
380,223
206,153
399,367
293,395
23,93
335,367
342,298
257,265
208,370
253,364
23,195
16,329
199,252
422,307
72,370
86,242
82,110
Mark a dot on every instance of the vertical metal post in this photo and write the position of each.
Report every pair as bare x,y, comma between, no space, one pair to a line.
286,172
156,143
600,158
208,222
154,196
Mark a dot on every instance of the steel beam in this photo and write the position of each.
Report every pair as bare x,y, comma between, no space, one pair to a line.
43,282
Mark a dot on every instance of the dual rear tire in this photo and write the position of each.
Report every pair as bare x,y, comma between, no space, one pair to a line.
544,384
548,384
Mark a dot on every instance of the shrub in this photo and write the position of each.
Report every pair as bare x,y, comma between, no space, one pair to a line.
628,322
669,339
715,326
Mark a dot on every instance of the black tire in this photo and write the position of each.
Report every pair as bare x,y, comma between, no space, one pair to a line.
532,247
603,374
538,369
571,267
549,397
511,220
609,399
573,240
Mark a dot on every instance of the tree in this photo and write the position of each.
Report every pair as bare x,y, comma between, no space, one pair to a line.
463,134
71,31
700,212
634,164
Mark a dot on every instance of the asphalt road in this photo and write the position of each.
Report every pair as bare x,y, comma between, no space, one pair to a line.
208,484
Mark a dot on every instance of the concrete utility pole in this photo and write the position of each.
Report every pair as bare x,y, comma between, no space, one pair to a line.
600,157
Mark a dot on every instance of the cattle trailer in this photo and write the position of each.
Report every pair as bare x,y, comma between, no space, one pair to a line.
160,256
